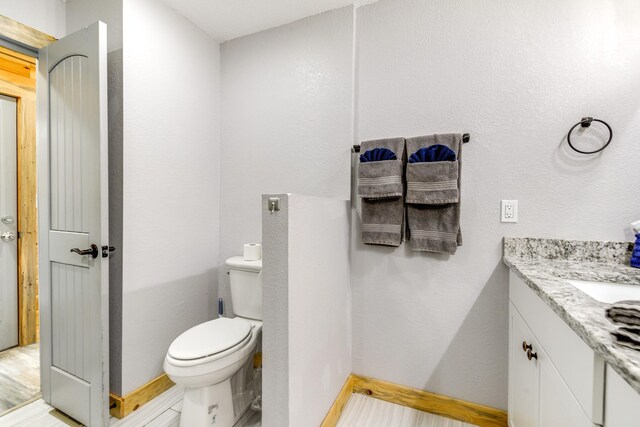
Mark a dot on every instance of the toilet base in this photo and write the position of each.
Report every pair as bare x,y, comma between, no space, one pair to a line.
208,406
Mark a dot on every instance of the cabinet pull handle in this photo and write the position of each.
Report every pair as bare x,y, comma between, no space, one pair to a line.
532,355
526,347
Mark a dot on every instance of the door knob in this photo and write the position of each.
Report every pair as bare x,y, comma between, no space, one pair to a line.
7,219
531,355
8,236
526,346
93,251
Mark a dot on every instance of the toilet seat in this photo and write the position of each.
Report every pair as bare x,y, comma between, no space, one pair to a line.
210,340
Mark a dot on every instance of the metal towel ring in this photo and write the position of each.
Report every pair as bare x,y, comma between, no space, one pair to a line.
585,123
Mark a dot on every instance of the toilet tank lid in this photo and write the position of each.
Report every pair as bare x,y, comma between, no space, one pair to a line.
239,263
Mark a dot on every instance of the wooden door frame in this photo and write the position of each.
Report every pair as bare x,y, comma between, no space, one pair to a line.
18,80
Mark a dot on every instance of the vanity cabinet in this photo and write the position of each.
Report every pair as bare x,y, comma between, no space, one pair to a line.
555,379
622,402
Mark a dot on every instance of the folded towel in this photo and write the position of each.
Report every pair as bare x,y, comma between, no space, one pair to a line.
435,153
377,154
624,312
377,178
635,255
627,336
433,197
381,188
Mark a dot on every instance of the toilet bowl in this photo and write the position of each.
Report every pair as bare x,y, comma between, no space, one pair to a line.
203,360
209,358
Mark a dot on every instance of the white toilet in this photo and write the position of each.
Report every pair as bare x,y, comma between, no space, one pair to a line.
208,356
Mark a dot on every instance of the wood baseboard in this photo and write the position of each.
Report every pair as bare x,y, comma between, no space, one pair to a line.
437,404
338,405
121,406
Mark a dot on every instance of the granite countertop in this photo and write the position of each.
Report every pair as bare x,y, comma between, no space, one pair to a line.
545,265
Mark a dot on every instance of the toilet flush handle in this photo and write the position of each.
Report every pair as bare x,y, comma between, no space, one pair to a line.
220,307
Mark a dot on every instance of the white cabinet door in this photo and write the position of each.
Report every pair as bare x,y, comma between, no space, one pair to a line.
558,407
523,374
622,402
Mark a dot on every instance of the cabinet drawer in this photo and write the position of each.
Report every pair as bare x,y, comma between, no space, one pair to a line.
578,365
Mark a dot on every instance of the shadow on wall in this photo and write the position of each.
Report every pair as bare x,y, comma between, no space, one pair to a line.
572,163
479,346
155,315
115,108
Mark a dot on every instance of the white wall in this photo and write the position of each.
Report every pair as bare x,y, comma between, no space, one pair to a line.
307,310
286,120
80,13
171,184
319,308
516,75
47,16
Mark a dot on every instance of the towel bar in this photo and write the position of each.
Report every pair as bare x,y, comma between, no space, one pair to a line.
465,138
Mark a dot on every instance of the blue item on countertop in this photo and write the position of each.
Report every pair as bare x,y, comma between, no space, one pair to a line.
635,255
377,155
434,153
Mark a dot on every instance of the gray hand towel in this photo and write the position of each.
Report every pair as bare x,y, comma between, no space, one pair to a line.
627,336
380,185
624,313
435,227
432,183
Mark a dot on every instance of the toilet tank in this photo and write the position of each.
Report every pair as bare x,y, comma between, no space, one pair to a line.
246,287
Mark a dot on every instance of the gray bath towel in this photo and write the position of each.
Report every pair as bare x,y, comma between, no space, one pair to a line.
380,185
624,313
434,219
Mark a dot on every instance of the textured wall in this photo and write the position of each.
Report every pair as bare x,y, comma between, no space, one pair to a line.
286,120
319,306
47,16
516,75
171,184
307,308
275,314
80,13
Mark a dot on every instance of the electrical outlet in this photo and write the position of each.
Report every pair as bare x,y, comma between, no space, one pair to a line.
509,211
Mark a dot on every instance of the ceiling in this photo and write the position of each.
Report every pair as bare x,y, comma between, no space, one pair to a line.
228,19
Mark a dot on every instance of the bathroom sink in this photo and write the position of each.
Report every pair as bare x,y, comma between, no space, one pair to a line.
608,292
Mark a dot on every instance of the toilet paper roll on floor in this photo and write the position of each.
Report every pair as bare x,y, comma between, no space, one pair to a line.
252,251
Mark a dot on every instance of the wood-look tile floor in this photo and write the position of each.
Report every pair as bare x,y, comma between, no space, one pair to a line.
364,411
163,411
19,376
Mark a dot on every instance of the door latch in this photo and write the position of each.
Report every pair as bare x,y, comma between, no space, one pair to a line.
106,250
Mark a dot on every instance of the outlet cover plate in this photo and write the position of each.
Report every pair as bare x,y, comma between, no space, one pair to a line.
509,211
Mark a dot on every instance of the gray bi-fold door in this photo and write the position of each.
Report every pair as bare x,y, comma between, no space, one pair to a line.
73,224
8,225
